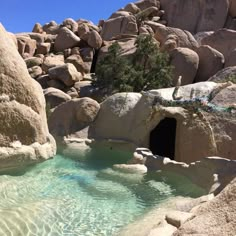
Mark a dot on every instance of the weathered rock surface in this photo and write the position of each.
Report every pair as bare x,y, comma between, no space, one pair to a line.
117,26
94,39
210,62
73,116
65,39
231,60
223,35
207,15
22,118
232,8
171,38
216,217
224,74
66,73
185,62
55,97
52,61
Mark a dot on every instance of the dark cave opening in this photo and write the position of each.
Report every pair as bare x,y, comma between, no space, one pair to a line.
162,138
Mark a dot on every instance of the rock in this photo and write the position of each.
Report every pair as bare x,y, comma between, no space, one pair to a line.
33,61
216,217
52,61
132,8
171,38
35,71
70,24
83,31
207,15
223,35
231,60
118,26
86,54
210,62
119,13
201,35
66,73
22,111
224,74
65,39
94,40
43,48
131,168
42,80
177,218
26,46
56,84
78,62
232,8
38,28
144,4
225,97
51,28
163,229
73,116
185,63
55,97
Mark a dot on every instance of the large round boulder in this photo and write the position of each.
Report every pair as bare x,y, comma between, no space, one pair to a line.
185,62
73,116
23,124
210,62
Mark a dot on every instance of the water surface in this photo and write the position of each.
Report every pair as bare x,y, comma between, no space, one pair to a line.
84,197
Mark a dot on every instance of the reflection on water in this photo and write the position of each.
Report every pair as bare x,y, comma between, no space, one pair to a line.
68,197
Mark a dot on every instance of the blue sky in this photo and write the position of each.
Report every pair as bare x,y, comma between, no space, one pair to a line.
21,15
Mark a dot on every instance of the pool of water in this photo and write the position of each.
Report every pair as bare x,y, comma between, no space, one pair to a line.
63,196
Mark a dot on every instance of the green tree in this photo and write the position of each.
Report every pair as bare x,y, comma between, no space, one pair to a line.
148,68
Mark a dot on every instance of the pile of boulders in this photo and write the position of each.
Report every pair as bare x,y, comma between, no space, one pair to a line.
62,57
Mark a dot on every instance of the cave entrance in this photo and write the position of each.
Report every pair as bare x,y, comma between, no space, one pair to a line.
162,138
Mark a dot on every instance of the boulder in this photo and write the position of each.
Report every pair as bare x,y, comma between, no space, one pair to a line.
144,4
66,73
52,61
210,62
94,39
38,28
55,97
232,8
118,26
78,62
33,61
42,80
223,35
65,39
24,136
83,31
231,60
224,74
185,62
207,15
216,217
119,13
171,38
35,71
26,46
51,28
43,48
177,218
70,24
132,8
73,116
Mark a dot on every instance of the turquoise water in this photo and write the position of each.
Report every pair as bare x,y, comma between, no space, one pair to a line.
81,197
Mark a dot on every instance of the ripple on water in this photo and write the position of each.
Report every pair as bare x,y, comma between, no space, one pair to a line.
65,197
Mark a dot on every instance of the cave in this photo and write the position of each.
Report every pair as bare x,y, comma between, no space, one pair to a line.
162,138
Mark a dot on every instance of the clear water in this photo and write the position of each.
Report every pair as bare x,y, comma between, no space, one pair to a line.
81,197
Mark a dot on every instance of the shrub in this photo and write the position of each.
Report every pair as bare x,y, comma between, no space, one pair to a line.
148,68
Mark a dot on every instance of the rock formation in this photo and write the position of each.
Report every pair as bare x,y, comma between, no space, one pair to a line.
23,126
